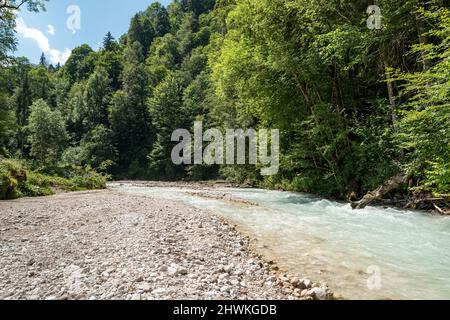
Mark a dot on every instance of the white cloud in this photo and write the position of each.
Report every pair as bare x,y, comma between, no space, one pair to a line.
55,56
51,29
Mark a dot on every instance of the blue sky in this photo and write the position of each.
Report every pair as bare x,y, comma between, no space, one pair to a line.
49,31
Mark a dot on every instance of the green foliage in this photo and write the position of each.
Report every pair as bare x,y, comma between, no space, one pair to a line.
109,43
43,60
159,18
75,178
292,74
7,23
141,31
17,181
47,134
197,7
96,150
166,109
129,117
40,83
7,37
438,176
96,99
12,176
22,99
164,52
424,129
241,175
7,122
112,62
80,63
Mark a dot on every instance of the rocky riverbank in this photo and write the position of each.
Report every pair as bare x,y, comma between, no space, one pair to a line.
106,245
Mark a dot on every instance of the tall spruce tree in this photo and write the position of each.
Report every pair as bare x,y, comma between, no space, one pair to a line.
129,116
43,60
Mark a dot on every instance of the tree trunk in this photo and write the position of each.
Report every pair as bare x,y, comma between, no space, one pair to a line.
422,39
391,94
390,185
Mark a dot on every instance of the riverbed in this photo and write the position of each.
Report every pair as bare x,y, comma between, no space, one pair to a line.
375,253
106,245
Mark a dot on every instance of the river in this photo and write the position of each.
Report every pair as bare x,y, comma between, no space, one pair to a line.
375,253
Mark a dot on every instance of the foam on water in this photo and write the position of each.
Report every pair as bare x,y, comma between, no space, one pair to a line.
328,241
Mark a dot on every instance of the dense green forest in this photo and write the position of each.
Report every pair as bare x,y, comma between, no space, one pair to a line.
355,106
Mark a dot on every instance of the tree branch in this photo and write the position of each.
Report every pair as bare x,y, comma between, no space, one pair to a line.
8,5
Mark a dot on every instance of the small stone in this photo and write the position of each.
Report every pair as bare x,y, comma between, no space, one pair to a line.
163,269
224,276
294,281
337,296
159,291
288,291
301,285
274,268
228,268
144,287
175,270
136,296
225,289
297,293
318,293
139,279
307,283
182,271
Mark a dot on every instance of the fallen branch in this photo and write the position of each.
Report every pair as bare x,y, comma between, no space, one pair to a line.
439,209
390,185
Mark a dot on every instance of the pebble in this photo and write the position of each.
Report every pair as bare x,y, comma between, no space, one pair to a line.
144,287
318,293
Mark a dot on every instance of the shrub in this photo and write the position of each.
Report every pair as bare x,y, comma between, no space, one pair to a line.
17,181
12,177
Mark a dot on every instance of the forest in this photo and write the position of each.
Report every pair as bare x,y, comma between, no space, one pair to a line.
358,108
